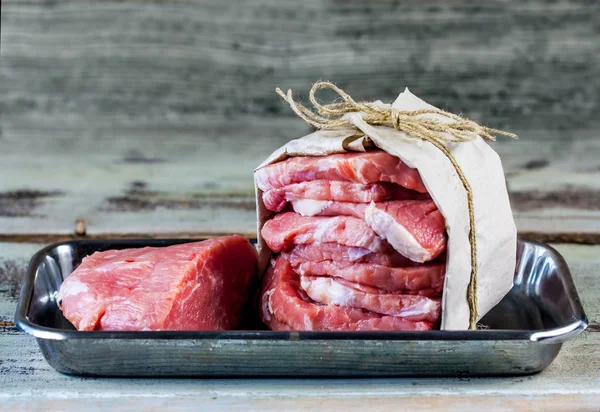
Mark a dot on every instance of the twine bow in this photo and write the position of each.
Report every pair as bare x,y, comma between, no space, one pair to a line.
415,125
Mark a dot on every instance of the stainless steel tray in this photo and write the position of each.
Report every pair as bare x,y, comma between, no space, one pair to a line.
523,334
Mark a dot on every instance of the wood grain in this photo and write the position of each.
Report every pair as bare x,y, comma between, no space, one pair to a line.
149,117
203,182
511,63
206,400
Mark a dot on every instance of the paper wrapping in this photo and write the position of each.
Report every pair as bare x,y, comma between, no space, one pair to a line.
495,227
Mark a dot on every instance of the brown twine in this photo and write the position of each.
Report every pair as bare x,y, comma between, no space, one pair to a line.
411,122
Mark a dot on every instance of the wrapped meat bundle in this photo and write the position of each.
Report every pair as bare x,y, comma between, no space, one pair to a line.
387,218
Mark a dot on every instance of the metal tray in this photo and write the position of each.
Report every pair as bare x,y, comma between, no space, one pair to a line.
522,334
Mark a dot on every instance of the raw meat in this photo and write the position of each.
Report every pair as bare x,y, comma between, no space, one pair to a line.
319,252
276,199
426,280
287,229
414,228
286,306
192,286
340,292
369,167
351,254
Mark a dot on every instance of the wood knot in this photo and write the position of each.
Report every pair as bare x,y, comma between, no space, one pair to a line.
80,227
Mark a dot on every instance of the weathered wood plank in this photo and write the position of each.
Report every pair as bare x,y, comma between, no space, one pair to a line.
14,259
208,402
571,382
527,64
162,182
148,117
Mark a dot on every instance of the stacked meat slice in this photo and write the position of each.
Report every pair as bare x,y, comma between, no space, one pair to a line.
358,242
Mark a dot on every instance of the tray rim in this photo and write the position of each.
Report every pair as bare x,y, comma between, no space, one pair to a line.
555,335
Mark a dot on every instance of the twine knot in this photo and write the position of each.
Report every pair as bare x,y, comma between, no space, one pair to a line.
411,122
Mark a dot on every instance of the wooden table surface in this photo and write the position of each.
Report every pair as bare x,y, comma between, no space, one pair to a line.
146,119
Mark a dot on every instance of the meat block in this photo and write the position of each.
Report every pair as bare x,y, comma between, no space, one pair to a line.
191,286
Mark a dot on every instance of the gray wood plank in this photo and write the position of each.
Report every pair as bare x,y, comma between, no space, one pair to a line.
147,118
509,63
571,382
14,258
164,182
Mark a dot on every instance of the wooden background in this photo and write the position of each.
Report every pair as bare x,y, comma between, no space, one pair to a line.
146,118
122,113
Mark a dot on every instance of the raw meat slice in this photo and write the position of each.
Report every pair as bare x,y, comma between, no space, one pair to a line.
287,229
425,280
285,305
319,252
369,167
332,291
192,286
276,199
414,228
